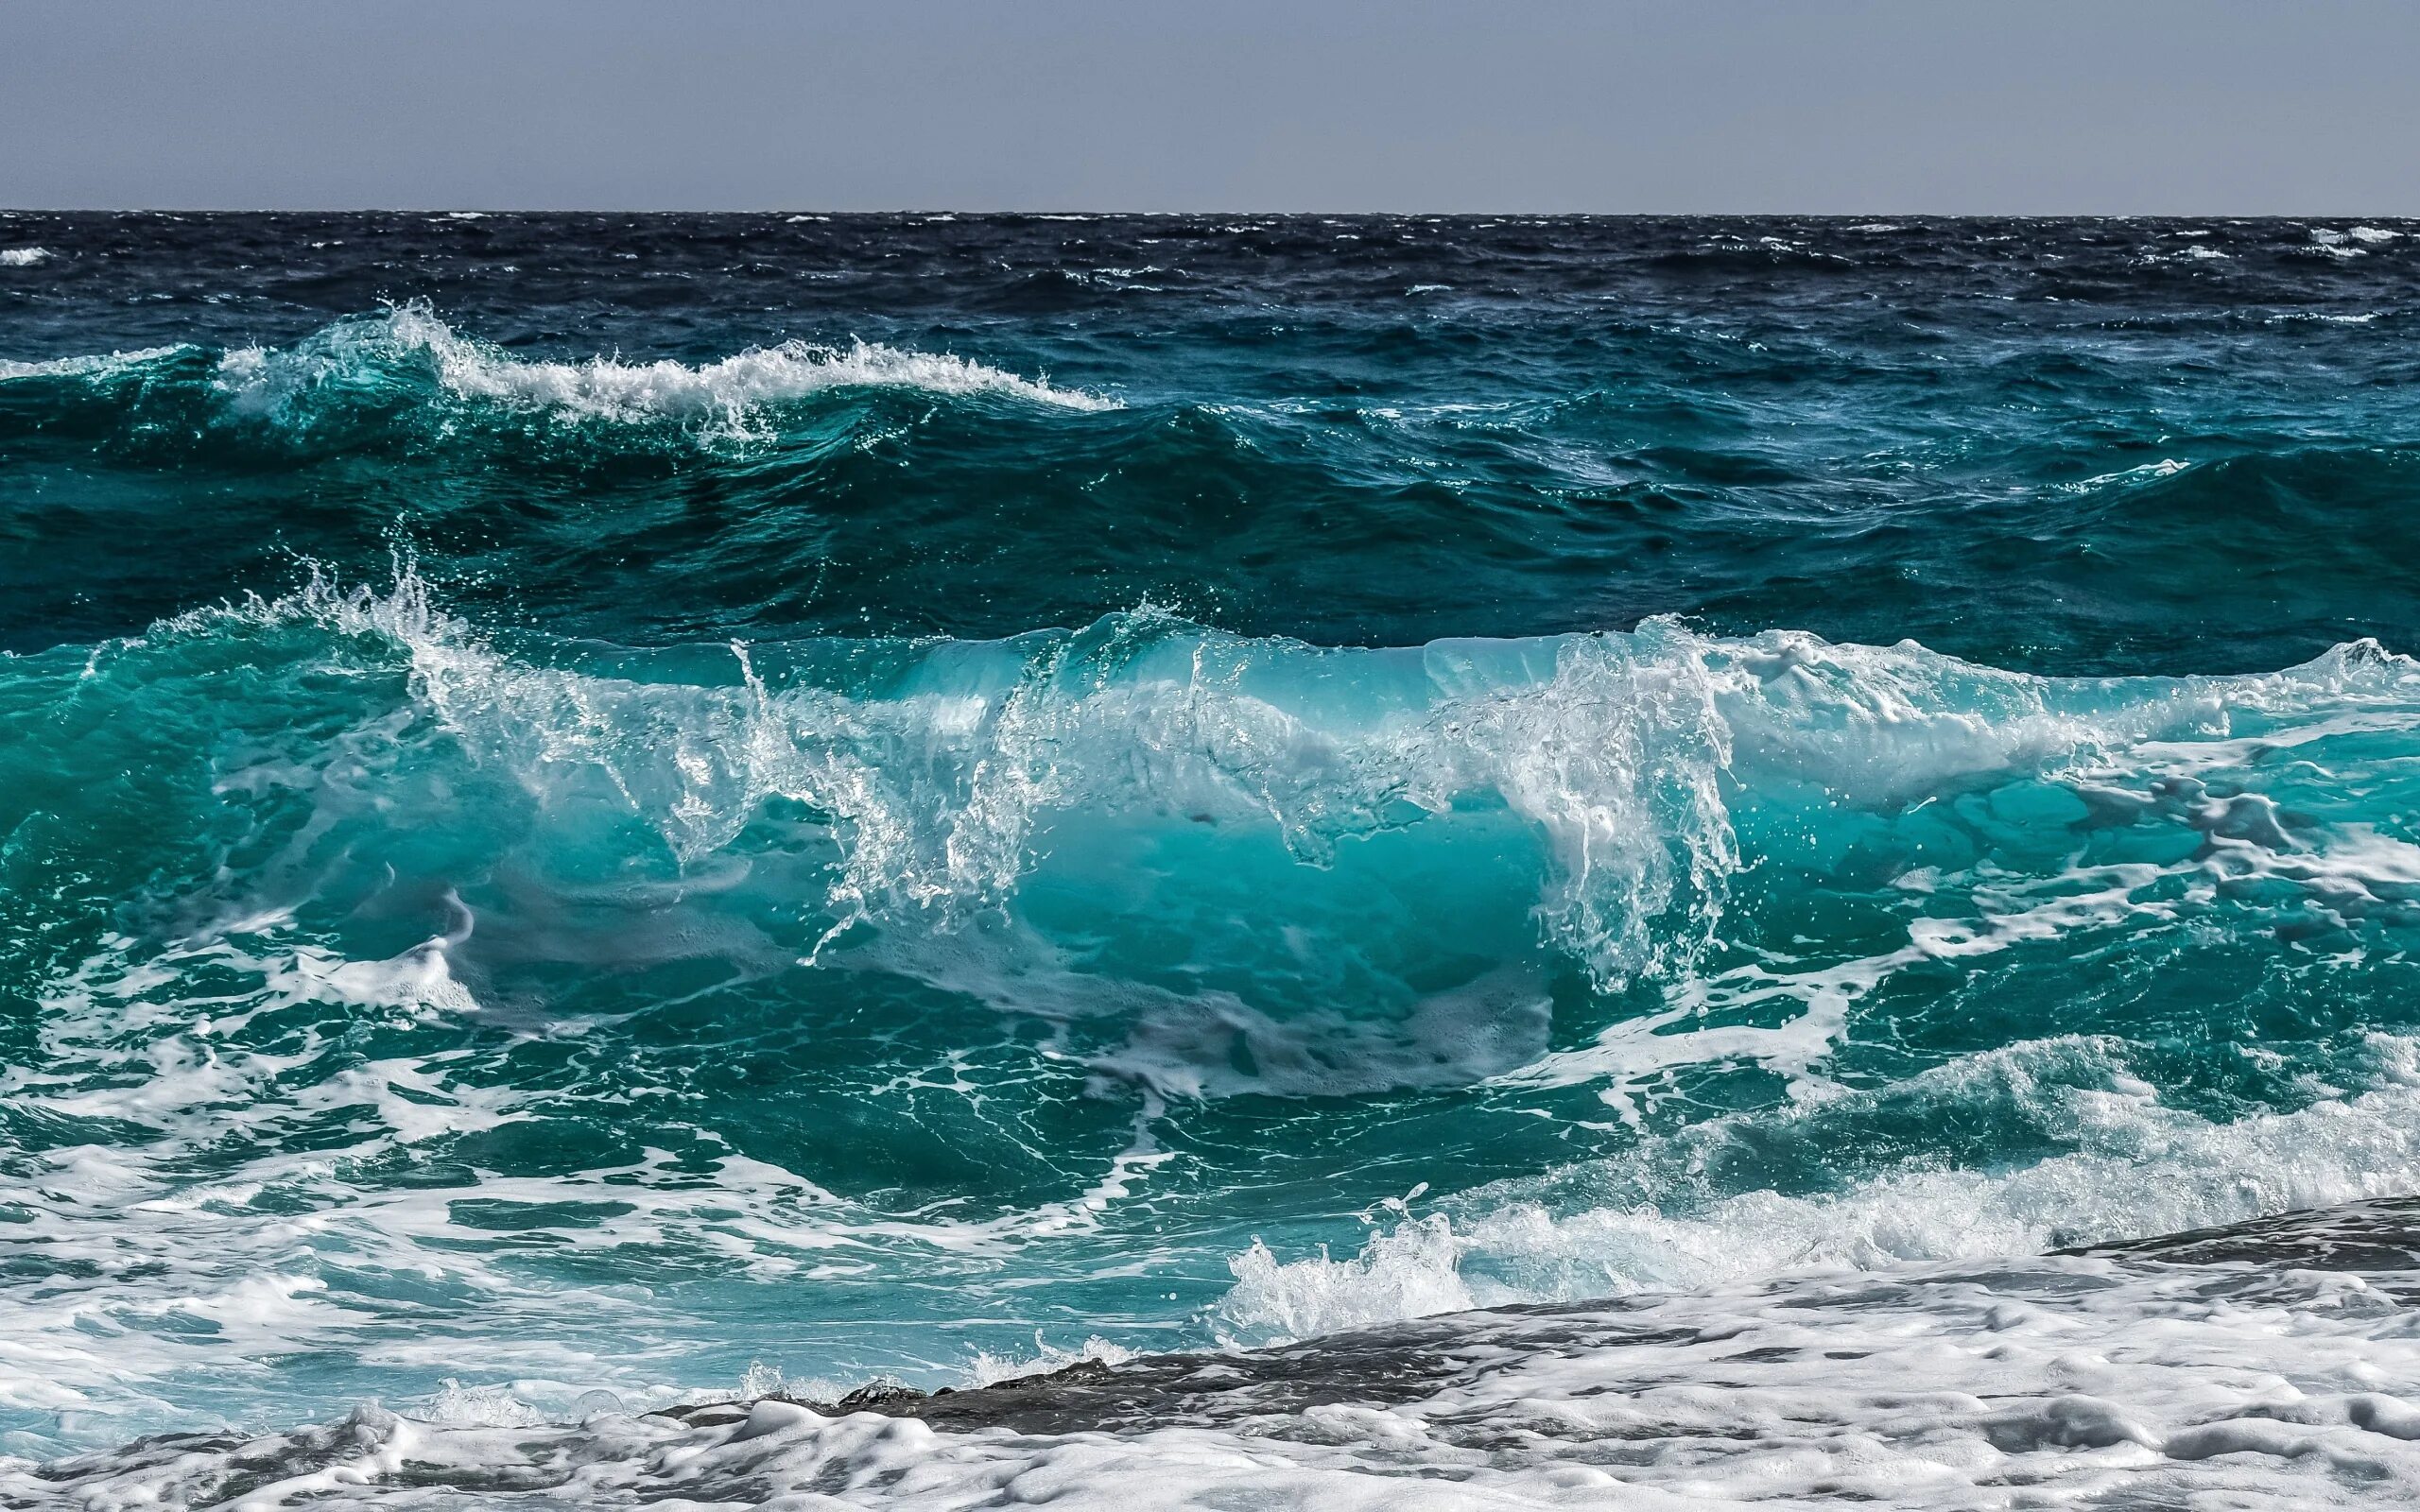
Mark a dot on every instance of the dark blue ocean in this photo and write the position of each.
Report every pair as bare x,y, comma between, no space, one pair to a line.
599,812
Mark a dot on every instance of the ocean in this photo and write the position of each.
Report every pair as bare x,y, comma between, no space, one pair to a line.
1502,861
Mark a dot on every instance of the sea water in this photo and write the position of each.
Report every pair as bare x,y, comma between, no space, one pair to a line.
599,812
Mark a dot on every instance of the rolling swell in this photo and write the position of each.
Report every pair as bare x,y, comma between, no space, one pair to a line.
847,484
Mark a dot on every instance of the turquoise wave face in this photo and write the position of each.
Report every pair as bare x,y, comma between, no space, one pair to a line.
880,1002
540,866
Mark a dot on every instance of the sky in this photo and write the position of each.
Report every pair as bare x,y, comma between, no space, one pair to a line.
2148,107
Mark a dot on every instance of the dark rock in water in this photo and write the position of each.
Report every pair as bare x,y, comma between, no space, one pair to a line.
880,1396
1408,1362
2381,1235
1399,1363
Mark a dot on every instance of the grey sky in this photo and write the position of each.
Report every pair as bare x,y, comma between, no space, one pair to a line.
1859,106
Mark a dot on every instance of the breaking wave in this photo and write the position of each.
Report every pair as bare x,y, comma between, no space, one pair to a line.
410,338
409,356
944,772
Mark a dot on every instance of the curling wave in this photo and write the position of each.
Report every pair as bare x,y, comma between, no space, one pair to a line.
944,772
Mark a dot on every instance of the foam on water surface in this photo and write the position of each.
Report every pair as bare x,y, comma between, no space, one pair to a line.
2063,1382
100,366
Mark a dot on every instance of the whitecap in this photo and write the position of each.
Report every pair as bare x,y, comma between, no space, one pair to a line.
729,391
2332,243
2166,467
100,365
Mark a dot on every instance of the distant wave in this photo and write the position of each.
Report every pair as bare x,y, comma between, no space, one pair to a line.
22,257
410,337
407,362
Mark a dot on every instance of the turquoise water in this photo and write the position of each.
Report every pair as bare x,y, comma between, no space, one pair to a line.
629,806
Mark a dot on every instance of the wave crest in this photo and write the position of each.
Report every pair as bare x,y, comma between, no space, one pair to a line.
95,366
411,337
945,772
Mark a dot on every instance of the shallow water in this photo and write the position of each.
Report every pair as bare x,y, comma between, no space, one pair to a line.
635,805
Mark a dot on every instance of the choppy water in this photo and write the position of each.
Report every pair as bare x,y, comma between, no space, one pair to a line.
592,805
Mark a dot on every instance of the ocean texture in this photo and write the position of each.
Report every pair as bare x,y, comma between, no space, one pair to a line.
604,813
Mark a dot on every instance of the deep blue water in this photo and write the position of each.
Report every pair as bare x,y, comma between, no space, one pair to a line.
594,803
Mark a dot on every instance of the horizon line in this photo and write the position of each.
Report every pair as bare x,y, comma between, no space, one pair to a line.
1000,213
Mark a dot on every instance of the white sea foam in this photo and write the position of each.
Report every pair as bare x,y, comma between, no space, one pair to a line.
102,365
489,1406
2140,1168
23,256
275,1253
989,1369
2078,1381
729,391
